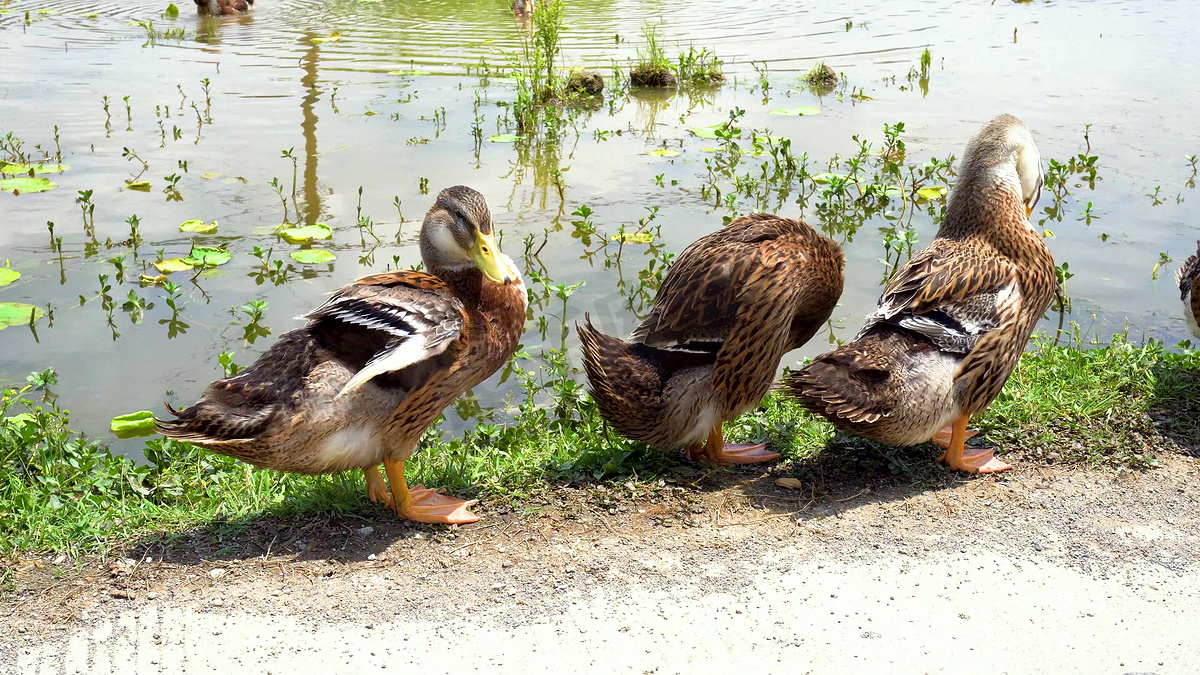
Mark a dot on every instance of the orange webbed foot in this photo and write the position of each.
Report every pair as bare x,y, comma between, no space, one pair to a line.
743,453
943,437
977,460
431,506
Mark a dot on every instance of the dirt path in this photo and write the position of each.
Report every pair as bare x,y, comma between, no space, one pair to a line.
1058,572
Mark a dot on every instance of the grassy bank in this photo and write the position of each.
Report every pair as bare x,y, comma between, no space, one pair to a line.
1115,405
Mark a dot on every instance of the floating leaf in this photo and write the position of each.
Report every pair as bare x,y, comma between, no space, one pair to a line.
932,194
172,11
663,152
7,276
333,37
208,257
27,184
133,425
711,131
827,176
797,112
504,138
35,168
306,234
139,185
407,73
18,313
172,265
210,174
198,226
313,256
156,280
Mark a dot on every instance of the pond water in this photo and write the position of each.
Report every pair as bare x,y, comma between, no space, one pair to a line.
388,107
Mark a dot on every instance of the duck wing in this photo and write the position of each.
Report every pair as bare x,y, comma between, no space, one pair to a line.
416,313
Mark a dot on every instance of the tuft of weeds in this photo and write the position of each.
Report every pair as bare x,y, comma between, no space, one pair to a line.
653,69
699,67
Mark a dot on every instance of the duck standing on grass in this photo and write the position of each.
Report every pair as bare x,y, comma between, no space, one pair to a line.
732,304
952,323
375,365
1188,278
224,7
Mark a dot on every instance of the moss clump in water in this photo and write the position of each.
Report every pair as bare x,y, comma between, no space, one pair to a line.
822,76
585,82
653,75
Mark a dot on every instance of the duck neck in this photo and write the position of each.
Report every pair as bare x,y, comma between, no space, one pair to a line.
989,206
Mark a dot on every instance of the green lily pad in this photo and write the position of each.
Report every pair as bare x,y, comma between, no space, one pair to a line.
797,112
18,313
633,237
504,138
172,265
8,275
827,176
27,184
313,256
663,152
156,280
933,193
35,168
198,226
333,37
172,11
139,185
711,131
306,234
208,257
133,425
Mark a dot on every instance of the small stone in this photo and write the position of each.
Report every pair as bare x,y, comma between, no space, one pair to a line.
1037,546
216,573
372,557
365,531
218,603
151,595
789,483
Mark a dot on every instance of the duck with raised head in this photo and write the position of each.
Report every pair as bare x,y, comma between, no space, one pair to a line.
1188,278
224,7
375,365
731,305
951,325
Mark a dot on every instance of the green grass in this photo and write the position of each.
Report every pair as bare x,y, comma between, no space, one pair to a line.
1117,405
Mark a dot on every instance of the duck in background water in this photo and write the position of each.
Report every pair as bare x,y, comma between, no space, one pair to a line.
522,8
224,7
951,325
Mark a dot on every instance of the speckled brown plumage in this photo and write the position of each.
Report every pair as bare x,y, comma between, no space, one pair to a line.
429,338
732,304
1188,278
952,323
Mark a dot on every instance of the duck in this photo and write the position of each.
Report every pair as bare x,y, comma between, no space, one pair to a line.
952,323
522,7
1188,279
375,365
224,7
729,308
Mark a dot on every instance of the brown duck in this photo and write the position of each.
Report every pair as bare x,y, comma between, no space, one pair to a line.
953,322
1188,278
375,366
732,304
224,7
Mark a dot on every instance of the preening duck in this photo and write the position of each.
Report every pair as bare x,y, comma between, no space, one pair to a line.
951,325
375,365
731,305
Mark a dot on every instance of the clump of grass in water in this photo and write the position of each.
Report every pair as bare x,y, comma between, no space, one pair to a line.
699,67
537,80
821,77
653,69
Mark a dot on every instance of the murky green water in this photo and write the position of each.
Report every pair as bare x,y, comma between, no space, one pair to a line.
354,122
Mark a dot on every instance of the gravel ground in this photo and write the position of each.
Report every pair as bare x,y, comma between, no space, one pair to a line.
1041,571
